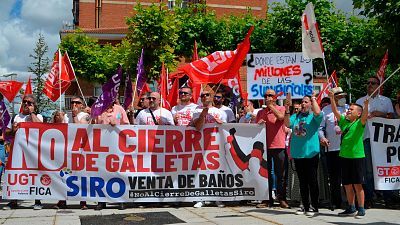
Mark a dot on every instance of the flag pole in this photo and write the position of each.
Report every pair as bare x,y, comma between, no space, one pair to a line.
134,92
59,73
369,96
79,87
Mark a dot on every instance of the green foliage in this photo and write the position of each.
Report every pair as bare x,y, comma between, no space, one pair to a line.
40,67
156,30
91,61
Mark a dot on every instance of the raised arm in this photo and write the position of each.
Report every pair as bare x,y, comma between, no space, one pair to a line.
364,115
314,105
333,105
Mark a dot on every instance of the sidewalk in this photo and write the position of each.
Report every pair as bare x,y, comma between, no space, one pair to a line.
247,215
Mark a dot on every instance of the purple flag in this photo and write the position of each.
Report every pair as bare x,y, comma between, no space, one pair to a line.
141,77
128,91
110,93
4,116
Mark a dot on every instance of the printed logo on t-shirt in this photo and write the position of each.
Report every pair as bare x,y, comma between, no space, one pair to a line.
150,120
184,118
211,118
300,130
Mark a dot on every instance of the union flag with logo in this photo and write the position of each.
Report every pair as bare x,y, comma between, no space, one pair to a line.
59,78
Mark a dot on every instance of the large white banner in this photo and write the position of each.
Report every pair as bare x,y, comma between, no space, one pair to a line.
282,72
385,148
137,163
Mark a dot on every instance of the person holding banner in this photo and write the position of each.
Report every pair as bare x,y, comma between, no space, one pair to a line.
273,117
155,114
329,137
207,114
379,106
79,117
352,153
28,114
304,149
183,112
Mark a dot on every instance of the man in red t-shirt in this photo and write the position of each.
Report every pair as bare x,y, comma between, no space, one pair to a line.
272,116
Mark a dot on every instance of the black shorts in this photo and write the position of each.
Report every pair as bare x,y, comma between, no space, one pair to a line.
353,170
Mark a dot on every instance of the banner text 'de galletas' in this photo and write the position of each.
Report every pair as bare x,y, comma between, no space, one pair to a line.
136,163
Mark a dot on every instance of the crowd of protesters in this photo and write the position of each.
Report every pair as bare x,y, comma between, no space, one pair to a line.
297,131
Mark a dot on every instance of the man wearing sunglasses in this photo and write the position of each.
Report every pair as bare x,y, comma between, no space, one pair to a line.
28,114
183,112
379,106
207,113
273,118
78,115
155,114
219,104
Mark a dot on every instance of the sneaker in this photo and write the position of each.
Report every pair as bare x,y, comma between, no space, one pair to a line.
220,204
361,213
11,205
312,212
350,211
301,211
37,207
198,205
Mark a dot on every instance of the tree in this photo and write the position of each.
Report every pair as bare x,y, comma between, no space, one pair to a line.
40,67
156,30
387,12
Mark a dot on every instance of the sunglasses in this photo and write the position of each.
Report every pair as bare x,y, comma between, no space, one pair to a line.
142,99
27,102
151,98
217,97
269,95
184,93
76,102
205,95
371,82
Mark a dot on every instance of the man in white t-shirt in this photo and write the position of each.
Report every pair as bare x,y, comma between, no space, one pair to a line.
154,115
183,112
329,137
379,106
207,114
219,104
28,114
78,115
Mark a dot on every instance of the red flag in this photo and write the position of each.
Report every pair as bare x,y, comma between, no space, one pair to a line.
28,91
57,78
381,72
196,89
219,65
28,88
68,74
173,94
163,88
332,82
10,89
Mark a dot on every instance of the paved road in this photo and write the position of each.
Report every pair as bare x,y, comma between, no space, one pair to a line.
247,215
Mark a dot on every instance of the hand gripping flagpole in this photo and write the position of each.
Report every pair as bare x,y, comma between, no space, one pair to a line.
377,89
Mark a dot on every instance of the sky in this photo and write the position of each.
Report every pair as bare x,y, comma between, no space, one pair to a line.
21,21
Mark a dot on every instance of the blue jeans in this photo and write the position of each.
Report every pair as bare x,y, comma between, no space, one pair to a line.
2,158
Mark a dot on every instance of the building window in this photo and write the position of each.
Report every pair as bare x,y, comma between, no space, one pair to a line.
171,4
75,12
97,91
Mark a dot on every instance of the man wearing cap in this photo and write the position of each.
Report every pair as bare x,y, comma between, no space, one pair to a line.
379,106
329,137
